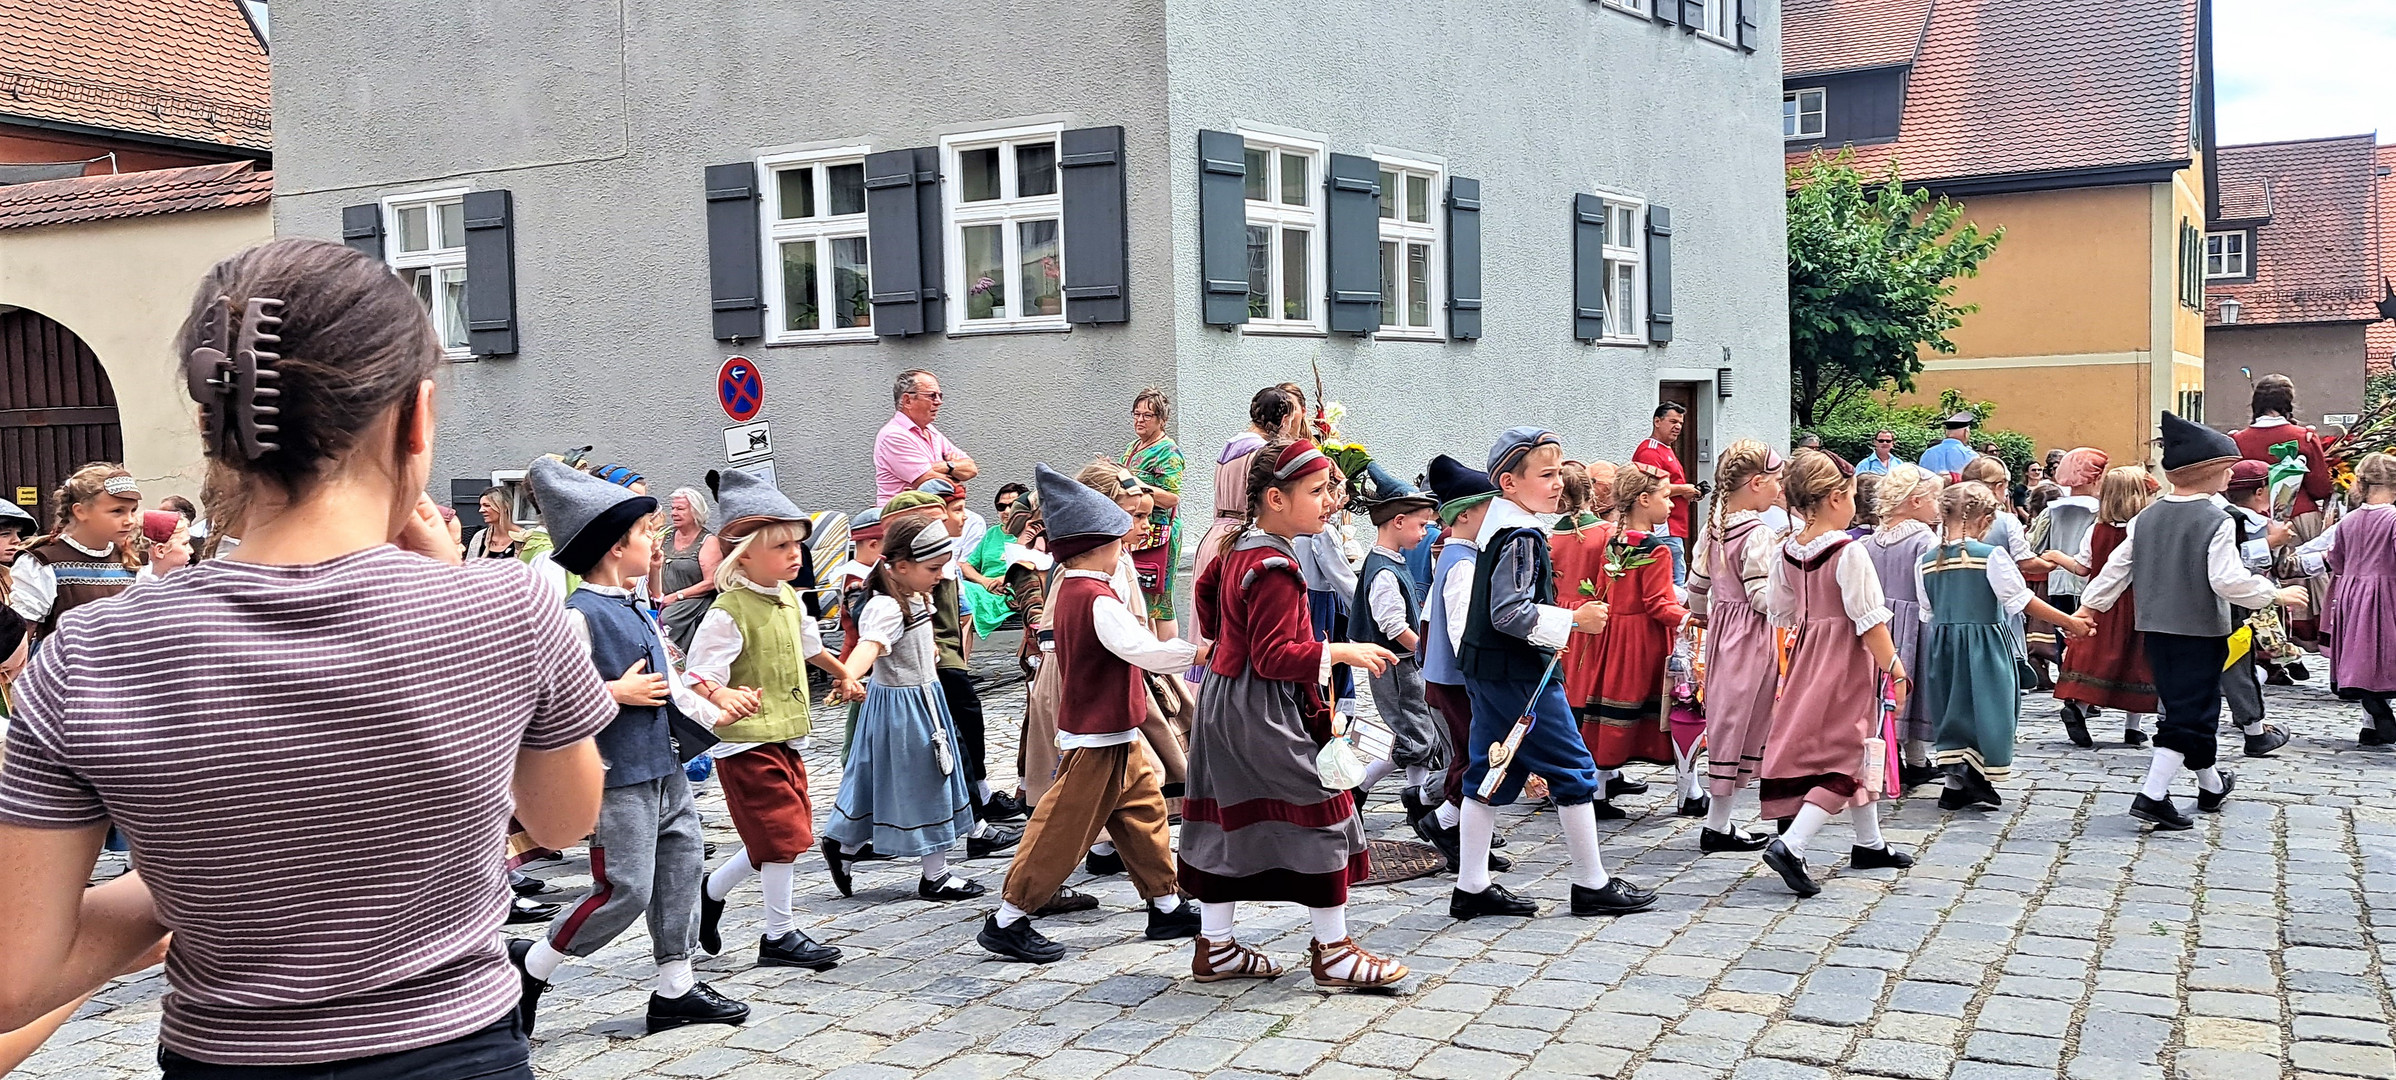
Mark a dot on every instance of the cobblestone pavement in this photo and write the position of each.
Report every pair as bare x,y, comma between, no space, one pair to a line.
2050,938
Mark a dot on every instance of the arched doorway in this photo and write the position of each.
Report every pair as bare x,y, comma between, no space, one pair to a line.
57,409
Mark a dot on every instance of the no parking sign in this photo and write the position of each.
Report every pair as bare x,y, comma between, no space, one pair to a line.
740,389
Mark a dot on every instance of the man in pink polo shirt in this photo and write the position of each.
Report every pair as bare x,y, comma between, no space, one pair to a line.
909,449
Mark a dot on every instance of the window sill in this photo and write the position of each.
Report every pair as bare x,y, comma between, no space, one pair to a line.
1410,335
1020,326
1620,343
848,338
1726,43
460,356
1297,330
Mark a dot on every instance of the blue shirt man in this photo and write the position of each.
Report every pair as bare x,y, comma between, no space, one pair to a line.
1882,456
1952,454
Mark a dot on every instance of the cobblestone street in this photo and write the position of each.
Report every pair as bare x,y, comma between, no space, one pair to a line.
2051,938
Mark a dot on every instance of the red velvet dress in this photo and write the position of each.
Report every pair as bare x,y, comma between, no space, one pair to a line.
2109,668
1579,556
1626,721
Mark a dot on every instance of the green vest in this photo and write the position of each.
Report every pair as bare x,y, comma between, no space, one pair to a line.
770,660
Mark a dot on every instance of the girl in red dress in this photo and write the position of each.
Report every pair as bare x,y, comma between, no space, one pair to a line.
2109,669
1627,721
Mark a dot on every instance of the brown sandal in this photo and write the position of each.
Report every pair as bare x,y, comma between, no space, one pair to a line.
1370,970
1240,962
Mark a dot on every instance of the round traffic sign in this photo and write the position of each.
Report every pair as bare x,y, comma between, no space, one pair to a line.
740,389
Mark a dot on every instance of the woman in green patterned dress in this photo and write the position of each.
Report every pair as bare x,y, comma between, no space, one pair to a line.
1157,462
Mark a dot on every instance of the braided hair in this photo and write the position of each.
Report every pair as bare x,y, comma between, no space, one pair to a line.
81,488
1260,477
1738,463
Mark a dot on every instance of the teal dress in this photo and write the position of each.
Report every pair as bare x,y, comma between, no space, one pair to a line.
1966,681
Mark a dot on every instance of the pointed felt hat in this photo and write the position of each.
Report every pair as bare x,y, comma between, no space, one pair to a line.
1077,516
586,515
1385,501
2188,446
748,503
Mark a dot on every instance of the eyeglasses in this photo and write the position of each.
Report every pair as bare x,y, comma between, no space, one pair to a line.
1138,415
1884,441
933,395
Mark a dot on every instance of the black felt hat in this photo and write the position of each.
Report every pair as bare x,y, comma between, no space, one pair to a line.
2189,446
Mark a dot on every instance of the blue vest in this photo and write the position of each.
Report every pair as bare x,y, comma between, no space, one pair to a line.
637,746
1361,625
1439,657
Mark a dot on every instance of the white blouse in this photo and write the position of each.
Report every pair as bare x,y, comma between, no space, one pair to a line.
2004,579
718,643
1754,571
1859,583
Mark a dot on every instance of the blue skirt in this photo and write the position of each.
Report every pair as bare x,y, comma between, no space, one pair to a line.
894,793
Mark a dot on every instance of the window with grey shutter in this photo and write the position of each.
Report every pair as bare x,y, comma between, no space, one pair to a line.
1352,238
490,272
1664,11
362,229
1659,274
1222,228
1748,11
735,278
1097,235
902,222
1464,258
1588,267
1692,14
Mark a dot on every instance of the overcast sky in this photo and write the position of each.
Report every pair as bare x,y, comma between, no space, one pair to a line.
2302,70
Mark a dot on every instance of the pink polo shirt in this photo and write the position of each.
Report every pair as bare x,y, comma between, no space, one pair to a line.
904,452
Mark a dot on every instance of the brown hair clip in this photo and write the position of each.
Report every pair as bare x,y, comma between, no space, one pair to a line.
233,377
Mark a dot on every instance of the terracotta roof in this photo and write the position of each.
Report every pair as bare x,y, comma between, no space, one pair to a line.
188,69
2379,339
2002,87
1822,36
136,194
2243,198
2315,260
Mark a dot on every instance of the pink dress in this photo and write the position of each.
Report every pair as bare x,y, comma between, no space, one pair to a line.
1742,660
1828,592
2363,592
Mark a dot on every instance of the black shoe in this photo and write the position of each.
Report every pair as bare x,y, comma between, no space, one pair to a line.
1181,922
2276,675
523,884
795,949
1619,785
1977,784
2271,738
2210,801
707,849
530,911
837,861
1780,825
2296,670
1619,897
702,1005
1914,776
1715,843
1445,838
1496,841
2075,725
929,889
1001,806
1412,800
1022,941
528,1003
1884,857
1066,902
2370,736
1494,900
1956,798
1791,867
1097,865
994,839
2133,737
1607,811
711,918
1695,806
2160,813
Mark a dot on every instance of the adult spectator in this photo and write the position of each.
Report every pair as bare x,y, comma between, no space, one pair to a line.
1656,450
2274,404
909,450
499,537
1157,546
1948,456
1883,455
1807,440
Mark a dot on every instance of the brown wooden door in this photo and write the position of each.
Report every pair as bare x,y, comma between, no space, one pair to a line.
1684,448
57,409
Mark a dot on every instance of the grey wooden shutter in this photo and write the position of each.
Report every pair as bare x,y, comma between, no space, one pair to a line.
1464,258
362,229
735,281
1747,25
490,272
1097,235
1352,228
1659,274
902,223
1692,14
1588,267
1222,228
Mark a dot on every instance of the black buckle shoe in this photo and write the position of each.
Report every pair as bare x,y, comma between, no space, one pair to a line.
1607,811
1181,922
1066,902
1619,897
2075,725
2210,801
837,861
528,1002
793,948
1001,806
711,919
1884,857
1495,900
1910,777
523,884
929,889
1097,865
1022,941
1715,843
1956,798
530,911
2160,813
1791,867
994,839
1981,789
1412,800
1619,785
1696,806
702,1005
2271,738
2133,737
2297,670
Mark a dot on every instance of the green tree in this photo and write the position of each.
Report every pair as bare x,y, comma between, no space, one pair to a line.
1872,266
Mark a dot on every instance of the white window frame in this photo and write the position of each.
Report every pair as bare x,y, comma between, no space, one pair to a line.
822,228
1271,213
1431,231
1820,112
1719,23
1626,324
434,260
2222,254
1008,214
1635,7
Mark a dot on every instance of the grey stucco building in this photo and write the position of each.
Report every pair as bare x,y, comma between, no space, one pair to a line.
1470,216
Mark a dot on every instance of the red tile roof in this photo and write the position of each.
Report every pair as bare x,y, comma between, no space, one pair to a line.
2315,260
137,194
2004,87
187,69
2379,339
2243,198
1822,36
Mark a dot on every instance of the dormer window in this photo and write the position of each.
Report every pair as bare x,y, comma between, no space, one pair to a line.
2225,254
1801,114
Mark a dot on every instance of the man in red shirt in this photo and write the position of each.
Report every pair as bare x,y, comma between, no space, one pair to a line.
1656,450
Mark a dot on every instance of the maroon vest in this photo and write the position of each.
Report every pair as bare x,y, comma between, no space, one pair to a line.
1102,693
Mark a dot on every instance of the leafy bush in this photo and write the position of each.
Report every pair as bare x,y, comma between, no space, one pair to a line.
1849,429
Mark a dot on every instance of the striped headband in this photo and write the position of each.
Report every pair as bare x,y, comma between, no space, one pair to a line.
928,545
121,485
1299,459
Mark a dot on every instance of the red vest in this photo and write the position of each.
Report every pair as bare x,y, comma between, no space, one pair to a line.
1101,693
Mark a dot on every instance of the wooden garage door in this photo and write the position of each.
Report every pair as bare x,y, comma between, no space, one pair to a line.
57,410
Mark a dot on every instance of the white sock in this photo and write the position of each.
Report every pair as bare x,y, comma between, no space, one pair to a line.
2134,722
1418,777
674,979
2208,780
1330,923
1472,858
1810,819
1692,782
1168,903
543,960
730,875
935,868
1717,814
1376,772
1446,814
779,880
981,791
1009,914
1214,921
2162,771
1866,819
2252,728
1580,838
1954,781
980,828
1917,751
1103,847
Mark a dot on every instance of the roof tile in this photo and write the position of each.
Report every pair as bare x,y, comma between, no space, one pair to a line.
187,69
2314,260
134,194
2379,339
1818,37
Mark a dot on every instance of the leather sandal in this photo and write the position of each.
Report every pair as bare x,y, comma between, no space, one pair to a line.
1370,970
1241,962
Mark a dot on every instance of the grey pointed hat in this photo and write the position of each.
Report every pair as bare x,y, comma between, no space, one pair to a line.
747,503
586,515
1077,516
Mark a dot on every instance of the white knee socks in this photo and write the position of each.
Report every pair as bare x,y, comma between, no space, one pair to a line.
1580,838
543,960
1447,815
1418,777
1810,819
935,868
1009,914
2208,780
2162,771
1214,921
778,879
1867,826
674,979
1472,856
1690,781
1917,751
1375,773
1717,814
729,876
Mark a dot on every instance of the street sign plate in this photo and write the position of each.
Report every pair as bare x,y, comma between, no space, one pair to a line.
747,442
740,389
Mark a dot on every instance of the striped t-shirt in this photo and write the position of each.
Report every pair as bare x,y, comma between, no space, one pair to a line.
313,766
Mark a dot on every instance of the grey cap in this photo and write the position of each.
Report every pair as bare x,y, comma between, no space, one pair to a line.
1072,509
12,515
1962,419
586,515
1516,443
747,504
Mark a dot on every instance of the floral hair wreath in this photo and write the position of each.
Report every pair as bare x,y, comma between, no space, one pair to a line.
234,379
